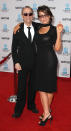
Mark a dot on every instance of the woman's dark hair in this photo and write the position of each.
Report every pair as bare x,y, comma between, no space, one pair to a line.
46,10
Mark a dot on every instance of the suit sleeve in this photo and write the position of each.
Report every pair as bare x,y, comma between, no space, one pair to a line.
15,49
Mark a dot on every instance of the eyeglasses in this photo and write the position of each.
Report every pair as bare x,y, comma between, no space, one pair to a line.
28,14
42,16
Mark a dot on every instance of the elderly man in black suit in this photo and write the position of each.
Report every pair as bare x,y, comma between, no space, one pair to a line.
24,54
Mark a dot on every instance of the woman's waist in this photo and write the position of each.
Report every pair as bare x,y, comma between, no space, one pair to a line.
44,46
46,52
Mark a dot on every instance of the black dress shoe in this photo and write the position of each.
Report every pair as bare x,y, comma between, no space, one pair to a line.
16,115
34,110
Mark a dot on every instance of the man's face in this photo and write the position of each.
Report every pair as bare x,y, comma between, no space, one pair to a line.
27,15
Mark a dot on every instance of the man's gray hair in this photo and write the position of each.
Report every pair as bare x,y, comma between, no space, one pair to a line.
26,7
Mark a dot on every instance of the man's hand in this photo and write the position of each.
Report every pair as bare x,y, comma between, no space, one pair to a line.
16,28
18,67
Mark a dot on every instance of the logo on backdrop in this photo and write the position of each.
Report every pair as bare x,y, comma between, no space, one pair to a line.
19,7
66,41
19,18
34,7
5,18
52,8
65,51
66,19
5,48
4,7
5,28
64,72
66,29
18,0
5,38
67,62
67,7
5,67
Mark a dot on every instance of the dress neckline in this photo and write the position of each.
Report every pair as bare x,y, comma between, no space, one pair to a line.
45,32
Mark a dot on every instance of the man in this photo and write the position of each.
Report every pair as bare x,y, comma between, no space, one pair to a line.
23,54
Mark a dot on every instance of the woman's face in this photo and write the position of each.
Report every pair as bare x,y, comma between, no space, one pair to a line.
43,17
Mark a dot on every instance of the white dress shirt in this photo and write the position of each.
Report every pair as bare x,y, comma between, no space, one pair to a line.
31,31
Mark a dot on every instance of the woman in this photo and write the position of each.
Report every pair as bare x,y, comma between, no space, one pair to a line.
48,40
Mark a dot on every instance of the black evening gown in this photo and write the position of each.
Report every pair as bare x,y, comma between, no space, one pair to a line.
46,61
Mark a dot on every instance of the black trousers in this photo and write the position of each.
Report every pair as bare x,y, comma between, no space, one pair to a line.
21,94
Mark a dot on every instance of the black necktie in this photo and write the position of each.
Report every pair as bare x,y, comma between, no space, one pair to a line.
29,33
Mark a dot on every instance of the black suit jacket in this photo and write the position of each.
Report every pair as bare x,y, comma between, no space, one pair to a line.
23,51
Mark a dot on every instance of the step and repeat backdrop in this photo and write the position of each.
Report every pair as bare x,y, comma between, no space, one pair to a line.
10,15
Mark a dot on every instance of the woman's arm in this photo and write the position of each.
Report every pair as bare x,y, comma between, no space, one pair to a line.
59,29
16,28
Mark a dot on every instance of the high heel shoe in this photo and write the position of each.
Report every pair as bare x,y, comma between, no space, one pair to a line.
42,123
41,117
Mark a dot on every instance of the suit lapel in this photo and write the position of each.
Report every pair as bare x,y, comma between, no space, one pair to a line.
22,34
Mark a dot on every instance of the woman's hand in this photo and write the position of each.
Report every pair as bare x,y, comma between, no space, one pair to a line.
16,28
18,67
58,44
59,28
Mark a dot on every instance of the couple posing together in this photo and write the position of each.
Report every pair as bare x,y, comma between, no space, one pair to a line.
33,53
